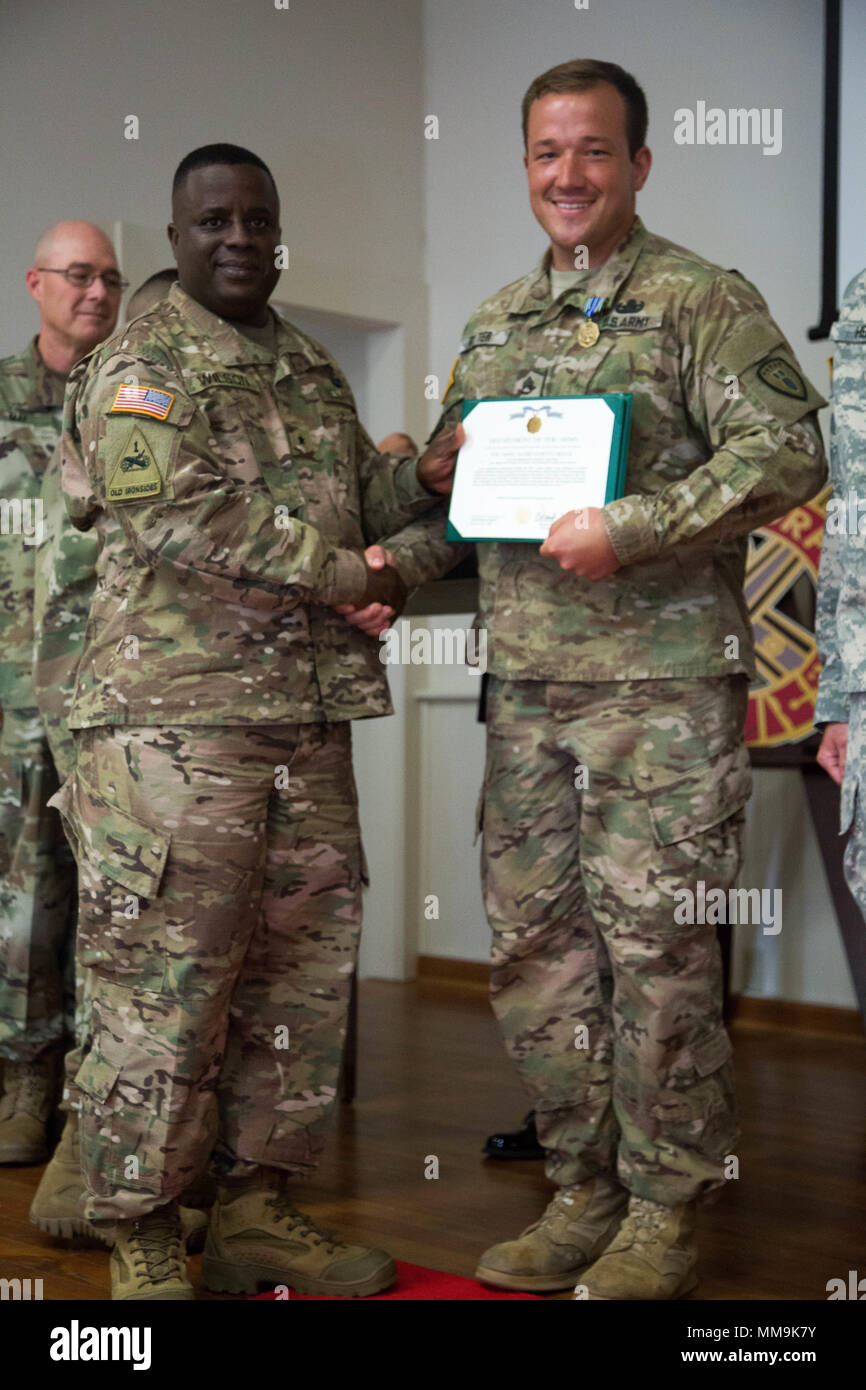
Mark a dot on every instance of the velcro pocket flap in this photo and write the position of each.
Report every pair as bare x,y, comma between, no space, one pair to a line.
96,1076
712,1053
686,803
758,356
123,848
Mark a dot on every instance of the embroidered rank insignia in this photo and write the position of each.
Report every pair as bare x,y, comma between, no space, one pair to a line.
136,475
143,400
780,376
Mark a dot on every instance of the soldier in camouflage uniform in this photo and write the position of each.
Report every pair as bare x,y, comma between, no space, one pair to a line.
619,659
37,888
841,702
213,810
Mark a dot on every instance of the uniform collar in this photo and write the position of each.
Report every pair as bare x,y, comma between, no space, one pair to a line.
224,341
233,348
534,291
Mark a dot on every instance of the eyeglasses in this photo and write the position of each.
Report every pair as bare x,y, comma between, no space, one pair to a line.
81,279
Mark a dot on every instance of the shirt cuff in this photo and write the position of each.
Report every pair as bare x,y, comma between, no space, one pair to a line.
628,522
348,581
832,707
408,485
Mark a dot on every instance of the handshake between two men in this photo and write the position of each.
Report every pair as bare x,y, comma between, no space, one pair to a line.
578,541
385,595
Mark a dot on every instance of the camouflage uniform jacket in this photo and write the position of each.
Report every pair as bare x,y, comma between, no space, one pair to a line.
31,401
723,439
64,582
842,579
234,500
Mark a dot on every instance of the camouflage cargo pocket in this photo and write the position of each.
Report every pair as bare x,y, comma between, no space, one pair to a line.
695,1109
135,1085
685,804
696,817
121,921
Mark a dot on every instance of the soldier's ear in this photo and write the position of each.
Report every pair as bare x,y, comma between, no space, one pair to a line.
172,234
33,282
641,165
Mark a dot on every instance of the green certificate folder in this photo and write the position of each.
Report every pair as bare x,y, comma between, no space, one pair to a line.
527,462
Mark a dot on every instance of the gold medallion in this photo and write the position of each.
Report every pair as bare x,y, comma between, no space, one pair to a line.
533,424
587,334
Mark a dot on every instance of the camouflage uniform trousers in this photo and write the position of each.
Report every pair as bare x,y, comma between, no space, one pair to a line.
852,811
219,920
579,870
37,895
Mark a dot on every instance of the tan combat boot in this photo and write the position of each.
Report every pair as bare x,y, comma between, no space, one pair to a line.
58,1207
257,1237
28,1102
552,1252
148,1259
653,1256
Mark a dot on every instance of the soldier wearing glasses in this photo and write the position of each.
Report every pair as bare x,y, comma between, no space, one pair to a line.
76,283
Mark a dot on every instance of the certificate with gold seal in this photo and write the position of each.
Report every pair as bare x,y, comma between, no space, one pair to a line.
526,462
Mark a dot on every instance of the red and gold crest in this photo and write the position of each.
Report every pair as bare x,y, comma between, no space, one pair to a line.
780,585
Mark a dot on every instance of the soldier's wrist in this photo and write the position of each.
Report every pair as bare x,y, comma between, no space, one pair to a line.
349,580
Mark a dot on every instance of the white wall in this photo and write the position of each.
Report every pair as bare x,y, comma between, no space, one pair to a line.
329,94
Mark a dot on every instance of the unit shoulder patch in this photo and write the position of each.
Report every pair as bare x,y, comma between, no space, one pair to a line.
779,374
135,475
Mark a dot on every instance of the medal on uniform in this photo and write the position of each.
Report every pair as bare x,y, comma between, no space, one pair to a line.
587,333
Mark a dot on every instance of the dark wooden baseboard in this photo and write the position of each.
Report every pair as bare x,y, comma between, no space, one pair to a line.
445,970
791,1013
759,1013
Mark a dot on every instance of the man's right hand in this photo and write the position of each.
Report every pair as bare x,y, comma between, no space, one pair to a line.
833,753
385,586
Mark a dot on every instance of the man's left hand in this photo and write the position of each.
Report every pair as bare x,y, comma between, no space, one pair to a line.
581,544
436,464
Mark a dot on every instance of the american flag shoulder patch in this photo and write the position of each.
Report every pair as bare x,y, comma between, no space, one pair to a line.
143,400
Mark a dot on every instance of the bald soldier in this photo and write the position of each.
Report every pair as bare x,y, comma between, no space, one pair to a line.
619,656
64,581
218,454
77,286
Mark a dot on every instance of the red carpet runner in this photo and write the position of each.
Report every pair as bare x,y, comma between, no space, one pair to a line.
415,1282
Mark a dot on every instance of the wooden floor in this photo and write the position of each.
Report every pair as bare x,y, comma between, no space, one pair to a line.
433,1080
